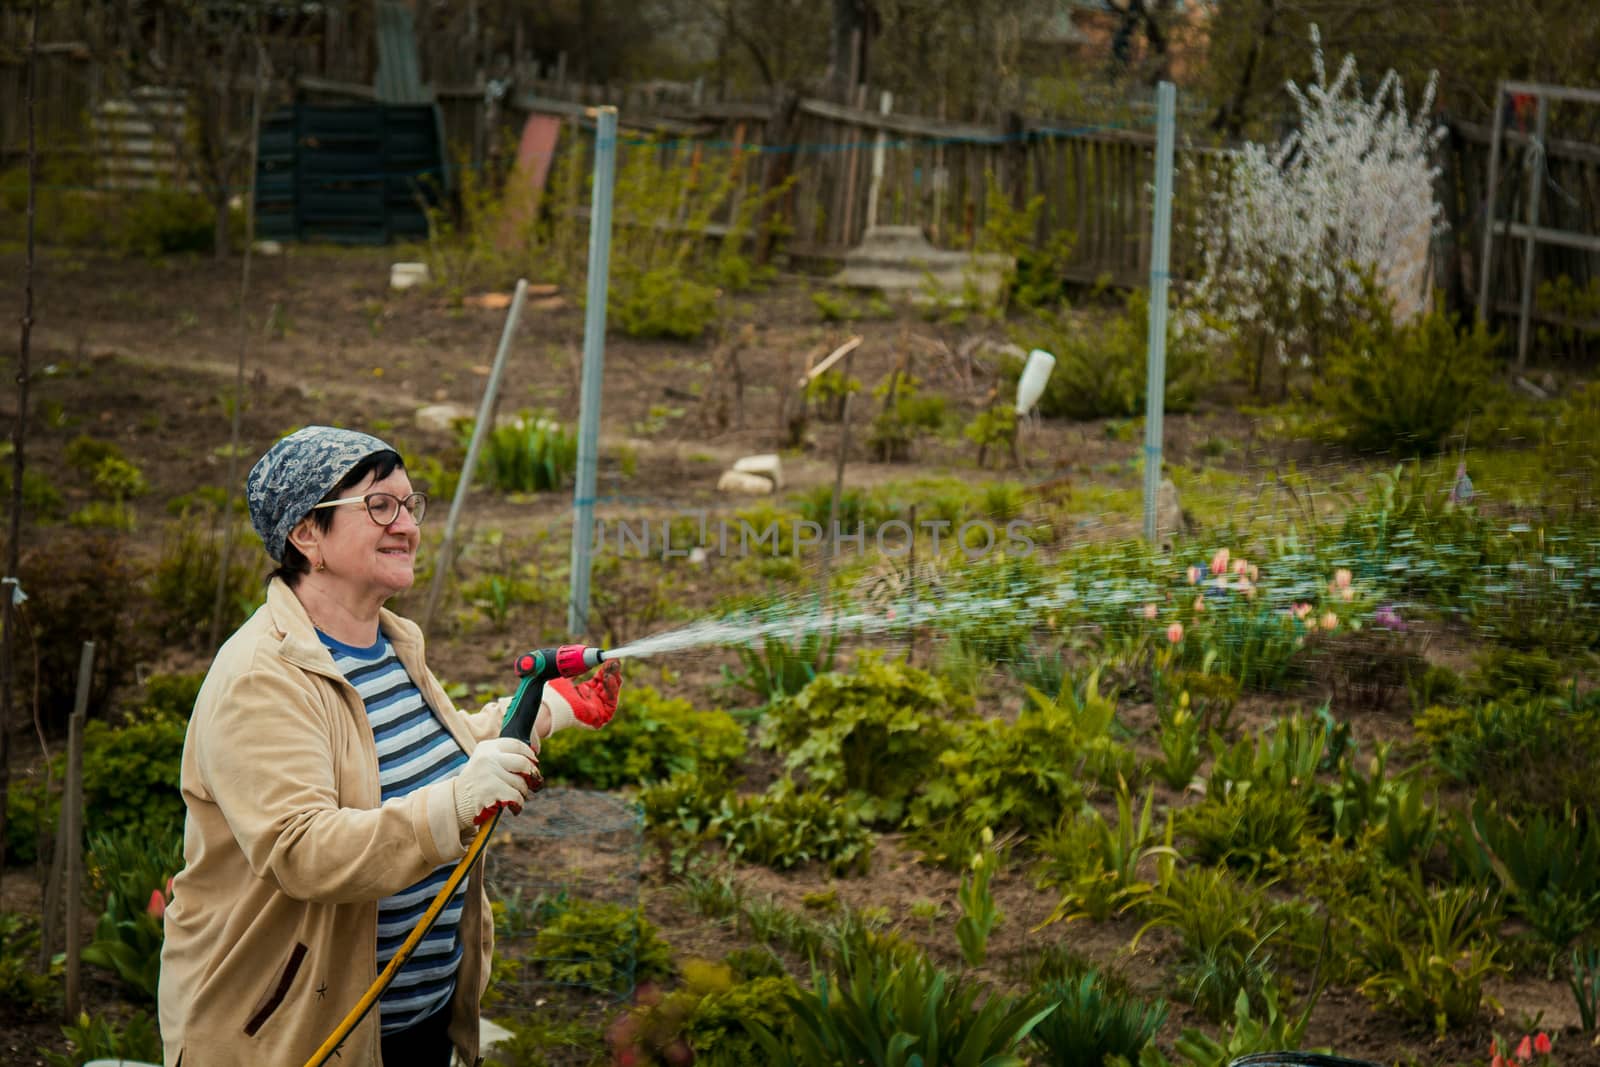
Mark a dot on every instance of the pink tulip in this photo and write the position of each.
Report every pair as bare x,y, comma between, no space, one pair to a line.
1330,621
1149,611
1525,1049
1219,562
158,904
1194,575
1240,566
1175,632
1341,578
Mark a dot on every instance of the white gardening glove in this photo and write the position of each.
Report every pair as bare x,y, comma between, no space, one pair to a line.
500,773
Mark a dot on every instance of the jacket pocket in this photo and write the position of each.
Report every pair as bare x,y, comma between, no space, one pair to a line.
275,996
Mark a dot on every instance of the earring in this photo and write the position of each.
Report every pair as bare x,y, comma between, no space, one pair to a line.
321,565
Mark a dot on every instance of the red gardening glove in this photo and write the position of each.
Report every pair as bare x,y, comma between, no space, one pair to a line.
589,703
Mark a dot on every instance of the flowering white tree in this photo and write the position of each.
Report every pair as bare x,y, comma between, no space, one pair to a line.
1293,232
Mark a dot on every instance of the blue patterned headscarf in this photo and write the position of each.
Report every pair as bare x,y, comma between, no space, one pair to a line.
296,473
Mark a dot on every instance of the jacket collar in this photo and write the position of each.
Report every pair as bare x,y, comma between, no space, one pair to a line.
301,646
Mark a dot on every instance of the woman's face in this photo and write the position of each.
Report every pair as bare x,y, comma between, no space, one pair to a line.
367,559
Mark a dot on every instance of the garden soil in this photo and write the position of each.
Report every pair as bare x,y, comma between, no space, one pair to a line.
144,355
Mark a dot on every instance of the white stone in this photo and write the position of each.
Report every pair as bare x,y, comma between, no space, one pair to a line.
405,275
269,248
744,483
440,417
697,555
766,464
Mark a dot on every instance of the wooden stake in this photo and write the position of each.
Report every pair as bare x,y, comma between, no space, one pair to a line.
72,812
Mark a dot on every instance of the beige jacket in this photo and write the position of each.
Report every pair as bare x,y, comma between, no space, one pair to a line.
271,934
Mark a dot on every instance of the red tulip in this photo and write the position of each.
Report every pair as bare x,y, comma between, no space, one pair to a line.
1525,1049
158,904
1541,1043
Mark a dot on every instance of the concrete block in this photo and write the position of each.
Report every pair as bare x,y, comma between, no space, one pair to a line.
406,275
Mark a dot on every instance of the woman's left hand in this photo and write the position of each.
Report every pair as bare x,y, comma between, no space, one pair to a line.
589,703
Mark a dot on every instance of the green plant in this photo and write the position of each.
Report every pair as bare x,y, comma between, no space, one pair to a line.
906,416
130,871
662,303
655,737
1246,827
979,916
99,1038
1504,747
160,222
1098,865
1178,733
1549,867
1428,952
784,828
24,991
828,391
1584,981
1093,1021
995,428
528,455
602,946
1226,927
1406,386
897,1012
707,1018
865,736
1275,1031
780,668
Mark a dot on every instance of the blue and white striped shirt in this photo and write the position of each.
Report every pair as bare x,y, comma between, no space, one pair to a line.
414,750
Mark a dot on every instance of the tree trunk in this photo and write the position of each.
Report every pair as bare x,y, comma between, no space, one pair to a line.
849,44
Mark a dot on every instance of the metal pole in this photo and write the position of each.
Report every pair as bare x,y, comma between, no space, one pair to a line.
1488,201
594,354
1536,157
479,428
1160,247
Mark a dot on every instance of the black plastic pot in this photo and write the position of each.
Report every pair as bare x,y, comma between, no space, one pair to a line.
1297,1059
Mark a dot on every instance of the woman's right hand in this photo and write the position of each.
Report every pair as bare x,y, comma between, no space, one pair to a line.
500,771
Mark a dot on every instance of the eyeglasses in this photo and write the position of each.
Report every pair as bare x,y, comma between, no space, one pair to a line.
384,508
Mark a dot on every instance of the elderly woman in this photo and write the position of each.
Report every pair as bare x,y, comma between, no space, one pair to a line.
331,787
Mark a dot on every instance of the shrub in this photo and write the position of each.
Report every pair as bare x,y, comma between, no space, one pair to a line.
653,737
1406,387
23,992
785,829
1101,371
1504,748
163,221
866,736
603,946
708,1018
184,584
1097,865
1246,827
81,587
1548,866
662,303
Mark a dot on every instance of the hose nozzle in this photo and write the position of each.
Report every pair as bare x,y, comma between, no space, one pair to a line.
568,661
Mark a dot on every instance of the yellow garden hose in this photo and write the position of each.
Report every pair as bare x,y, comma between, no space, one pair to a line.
429,917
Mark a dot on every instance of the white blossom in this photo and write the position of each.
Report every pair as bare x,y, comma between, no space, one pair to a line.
1284,238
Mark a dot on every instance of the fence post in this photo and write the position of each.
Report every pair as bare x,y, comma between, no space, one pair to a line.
1160,249
441,565
72,813
1535,156
594,353
1488,202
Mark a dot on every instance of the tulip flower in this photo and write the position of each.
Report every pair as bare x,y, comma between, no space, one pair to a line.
1219,562
1199,604
1240,567
1341,578
1330,621
1175,632
1541,1043
1525,1048
1194,575
1150,611
158,904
